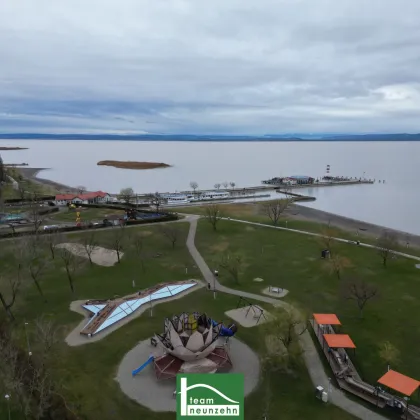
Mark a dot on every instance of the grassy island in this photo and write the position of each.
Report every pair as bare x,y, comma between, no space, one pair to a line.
133,165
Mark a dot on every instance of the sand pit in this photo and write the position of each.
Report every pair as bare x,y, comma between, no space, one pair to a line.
248,318
77,339
258,279
99,255
277,292
158,396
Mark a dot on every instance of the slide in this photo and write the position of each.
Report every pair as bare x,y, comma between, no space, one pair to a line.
224,331
149,360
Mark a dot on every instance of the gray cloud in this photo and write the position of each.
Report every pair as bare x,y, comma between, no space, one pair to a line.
211,67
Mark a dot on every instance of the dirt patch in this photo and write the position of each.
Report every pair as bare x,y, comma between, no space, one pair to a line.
249,317
220,247
258,280
144,233
277,292
99,255
249,229
77,339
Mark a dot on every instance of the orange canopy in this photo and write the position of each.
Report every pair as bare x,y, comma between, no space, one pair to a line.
339,341
399,382
327,319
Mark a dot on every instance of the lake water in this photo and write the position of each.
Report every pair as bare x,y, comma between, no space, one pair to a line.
394,204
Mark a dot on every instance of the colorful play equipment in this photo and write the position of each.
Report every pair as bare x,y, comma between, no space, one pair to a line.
147,362
190,343
334,347
78,219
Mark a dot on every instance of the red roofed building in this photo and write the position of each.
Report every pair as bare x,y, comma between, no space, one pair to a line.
96,197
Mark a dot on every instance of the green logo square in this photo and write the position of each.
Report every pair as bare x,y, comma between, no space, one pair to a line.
210,395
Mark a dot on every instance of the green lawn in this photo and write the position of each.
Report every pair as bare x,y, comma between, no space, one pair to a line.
88,372
292,261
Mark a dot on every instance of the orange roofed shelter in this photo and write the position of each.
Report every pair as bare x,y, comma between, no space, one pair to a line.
399,382
339,341
325,319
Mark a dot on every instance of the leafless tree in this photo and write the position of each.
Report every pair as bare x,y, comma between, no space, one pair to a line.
225,184
22,190
3,177
126,194
138,243
81,189
52,239
194,185
327,238
37,262
171,232
69,262
9,299
386,245
118,240
155,201
34,212
232,184
232,264
337,264
90,244
275,208
359,291
217,186
212,214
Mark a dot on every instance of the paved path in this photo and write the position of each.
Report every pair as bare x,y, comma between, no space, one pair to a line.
310,354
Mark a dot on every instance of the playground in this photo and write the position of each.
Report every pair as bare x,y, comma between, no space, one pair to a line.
190,343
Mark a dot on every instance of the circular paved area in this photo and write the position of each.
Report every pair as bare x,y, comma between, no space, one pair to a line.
158,396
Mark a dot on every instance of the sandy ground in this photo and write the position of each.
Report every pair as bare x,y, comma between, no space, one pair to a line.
158,396
31,174
267,292
250,320
100,256
77,339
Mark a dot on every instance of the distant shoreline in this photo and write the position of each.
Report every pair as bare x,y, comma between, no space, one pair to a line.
32,175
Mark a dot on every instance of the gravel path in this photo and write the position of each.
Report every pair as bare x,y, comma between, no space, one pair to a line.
310,354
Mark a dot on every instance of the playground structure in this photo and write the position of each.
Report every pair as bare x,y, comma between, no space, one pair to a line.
108,312
257,311
78,219
334,345
190,343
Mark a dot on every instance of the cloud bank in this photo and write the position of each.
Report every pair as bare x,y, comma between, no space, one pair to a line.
233,67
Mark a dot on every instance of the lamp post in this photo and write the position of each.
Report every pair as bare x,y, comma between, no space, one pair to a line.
406,407
27,340
216,274
7,397
286,223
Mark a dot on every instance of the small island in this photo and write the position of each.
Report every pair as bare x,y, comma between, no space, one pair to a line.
13,148
133,165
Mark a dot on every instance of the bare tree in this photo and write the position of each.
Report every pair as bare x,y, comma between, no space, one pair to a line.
138,243
337,264
37,263
118,240
69,262
126,194
359,291
389,353
22,189
194,185
217,186
81,189
9,299
225,184
327,238
212,214
386,245
90,244
233,264
155,200
52,239
3,177
275,208
170,232
232,184
34,212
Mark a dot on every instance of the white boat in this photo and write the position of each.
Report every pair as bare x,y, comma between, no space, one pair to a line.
214,195
176,199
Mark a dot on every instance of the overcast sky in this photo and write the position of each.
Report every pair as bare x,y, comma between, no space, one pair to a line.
220,66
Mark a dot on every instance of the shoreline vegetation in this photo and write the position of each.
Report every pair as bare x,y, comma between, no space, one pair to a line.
132,164
13,148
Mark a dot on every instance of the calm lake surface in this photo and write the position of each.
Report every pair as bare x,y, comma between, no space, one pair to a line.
395,204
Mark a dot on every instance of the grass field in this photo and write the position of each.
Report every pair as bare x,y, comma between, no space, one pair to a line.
88,372
293,261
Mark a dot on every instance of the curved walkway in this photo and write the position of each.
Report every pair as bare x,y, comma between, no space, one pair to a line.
310,354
